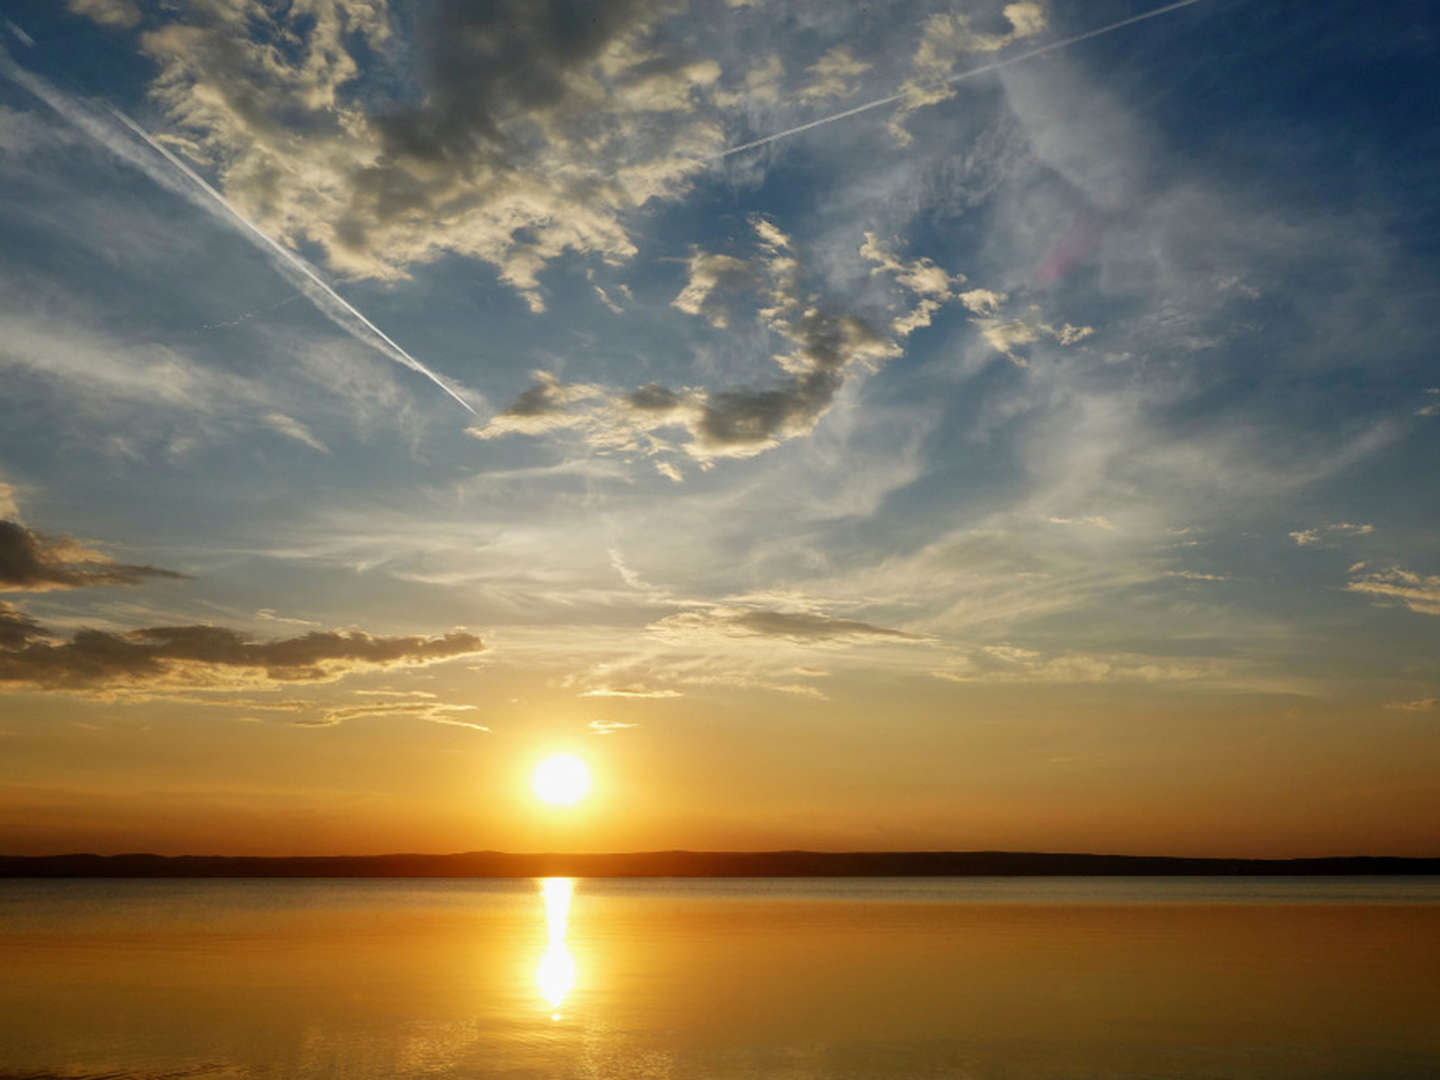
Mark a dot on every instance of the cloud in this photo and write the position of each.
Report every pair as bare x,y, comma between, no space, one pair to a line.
204,657
36,562
16,628
944,39
797,627
1007,335
923,277
799,690
825,344
181,179
269,615
293,429
9,508
1195,575
983,301
830,75
544,407
510,132
1428,704
762,84
1309,537
122,13
429,711
1418,593
1097,521
630,692
1004,663
20,34
608,727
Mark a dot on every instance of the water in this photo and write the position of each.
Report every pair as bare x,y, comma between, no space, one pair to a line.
969,978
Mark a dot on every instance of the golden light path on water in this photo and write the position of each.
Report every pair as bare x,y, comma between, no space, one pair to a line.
555,976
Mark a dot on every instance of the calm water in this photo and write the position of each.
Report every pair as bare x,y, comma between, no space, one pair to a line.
1013,978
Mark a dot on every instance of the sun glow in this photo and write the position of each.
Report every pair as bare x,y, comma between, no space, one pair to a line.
562,780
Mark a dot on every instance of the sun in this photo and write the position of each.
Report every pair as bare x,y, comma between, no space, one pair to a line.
561,780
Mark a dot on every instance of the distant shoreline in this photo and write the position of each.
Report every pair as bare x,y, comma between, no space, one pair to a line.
777,864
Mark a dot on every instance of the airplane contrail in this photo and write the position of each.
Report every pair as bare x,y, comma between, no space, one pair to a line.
20,34
330,303
310,279
1054,46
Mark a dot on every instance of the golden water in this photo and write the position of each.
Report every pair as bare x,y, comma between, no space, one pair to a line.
713,979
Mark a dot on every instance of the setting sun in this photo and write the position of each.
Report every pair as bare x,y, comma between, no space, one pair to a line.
561,780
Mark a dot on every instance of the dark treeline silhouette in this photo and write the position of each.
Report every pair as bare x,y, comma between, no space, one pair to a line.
696,864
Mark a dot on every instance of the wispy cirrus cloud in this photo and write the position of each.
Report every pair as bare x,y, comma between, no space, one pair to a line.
796,627
430,711
609,727
1418,592
641,692
1004,663
1318,533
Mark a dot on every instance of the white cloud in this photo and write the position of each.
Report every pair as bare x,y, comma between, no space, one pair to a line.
830,76
122,13
945,38
1310,537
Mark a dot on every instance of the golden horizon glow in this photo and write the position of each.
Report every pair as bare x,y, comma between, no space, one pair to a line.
561,780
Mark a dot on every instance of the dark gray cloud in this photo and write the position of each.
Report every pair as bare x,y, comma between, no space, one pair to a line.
482,63
16,628
826,344
201,657
652,397
35,562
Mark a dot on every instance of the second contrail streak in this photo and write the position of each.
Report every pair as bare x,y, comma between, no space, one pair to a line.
1054,46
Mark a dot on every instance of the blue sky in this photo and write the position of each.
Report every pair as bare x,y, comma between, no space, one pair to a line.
1078,415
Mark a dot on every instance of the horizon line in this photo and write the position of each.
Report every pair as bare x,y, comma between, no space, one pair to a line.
722,852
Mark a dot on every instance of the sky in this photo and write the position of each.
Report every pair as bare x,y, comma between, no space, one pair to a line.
960,425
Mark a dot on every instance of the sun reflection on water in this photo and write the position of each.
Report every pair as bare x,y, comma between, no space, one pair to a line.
555,975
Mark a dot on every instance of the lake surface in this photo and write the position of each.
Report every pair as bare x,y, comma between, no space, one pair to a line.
1012,978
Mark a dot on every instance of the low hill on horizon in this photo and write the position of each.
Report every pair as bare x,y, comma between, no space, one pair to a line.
495,864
